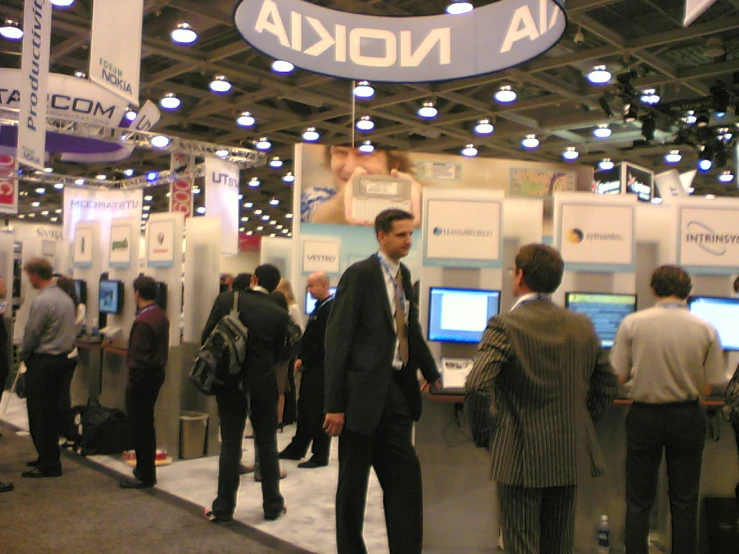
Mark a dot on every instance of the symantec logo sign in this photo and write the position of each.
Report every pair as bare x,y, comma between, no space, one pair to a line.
576,236
8,183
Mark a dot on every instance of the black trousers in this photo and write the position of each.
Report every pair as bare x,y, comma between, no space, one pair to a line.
44,381
67,428
310,419
390,452
232,411
141,397
680,431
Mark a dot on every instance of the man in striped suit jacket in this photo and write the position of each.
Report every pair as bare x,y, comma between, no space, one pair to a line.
538,382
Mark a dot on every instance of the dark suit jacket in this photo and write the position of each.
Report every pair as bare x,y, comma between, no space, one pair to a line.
267,324
546,379
312,350
360,347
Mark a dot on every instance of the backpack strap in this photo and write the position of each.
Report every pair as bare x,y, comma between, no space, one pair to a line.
235,307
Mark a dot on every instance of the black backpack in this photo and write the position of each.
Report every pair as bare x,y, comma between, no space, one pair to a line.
104,430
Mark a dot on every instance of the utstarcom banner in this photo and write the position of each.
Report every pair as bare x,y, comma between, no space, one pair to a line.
402,49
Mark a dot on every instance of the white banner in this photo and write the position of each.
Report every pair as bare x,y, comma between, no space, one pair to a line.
34,83
85,204
115,46
475,235
222,200
708,237
8,181
180,189
597,234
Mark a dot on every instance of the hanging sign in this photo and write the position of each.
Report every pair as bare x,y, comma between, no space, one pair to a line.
8,181
401,49
180,189
222,200
86,204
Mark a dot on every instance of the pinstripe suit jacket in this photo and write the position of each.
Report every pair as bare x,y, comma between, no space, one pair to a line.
539,380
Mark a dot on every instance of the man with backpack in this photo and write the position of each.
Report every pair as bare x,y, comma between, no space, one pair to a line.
267,327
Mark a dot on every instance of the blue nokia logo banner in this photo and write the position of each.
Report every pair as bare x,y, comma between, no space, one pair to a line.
402,49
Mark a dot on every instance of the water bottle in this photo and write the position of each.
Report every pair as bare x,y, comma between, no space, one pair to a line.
95,331
604,535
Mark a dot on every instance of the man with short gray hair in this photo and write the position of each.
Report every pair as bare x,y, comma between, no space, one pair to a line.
48,339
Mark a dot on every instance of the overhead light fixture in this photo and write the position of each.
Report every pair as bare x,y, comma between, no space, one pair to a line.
606,164
254,182
79,181
245,120
650,96
311,135
364,90
196,190
101,176
570,153
367,147
220,85
263,144
459,7
11,30
288,216
40,190
282,66
690,118
656,200
705,158
260,228
248,205
131,115
599,75
48,169
80,74
673,157
170,102
530,141
427,110
146,208
365,123
288,177
258,212
726,176
484,127
159,141
470,151
184,34
152,176
62,3
275,162
222,153
705,164
58,186
35,204
148,198
128,172
200,210
274,202
724,134
505,94
45,212
602,131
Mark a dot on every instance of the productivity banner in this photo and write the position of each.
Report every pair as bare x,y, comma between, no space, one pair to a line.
8,181
85,204
34,83
180,189
222,200
115,57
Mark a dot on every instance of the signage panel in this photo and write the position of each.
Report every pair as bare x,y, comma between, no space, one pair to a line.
596,234
181,196
476,236
120,245
321,256
8,181
708,237
160,247
85,204
222,200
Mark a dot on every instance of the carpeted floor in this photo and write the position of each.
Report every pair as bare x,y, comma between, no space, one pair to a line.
85,511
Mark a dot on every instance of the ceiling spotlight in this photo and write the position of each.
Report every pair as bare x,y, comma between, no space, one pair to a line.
570,153
599,75
257,212
35,204
367,147
260,228
282,66
505,94
530,141
159,141
602,131
200,210
79,182
131,114
459,7
705,165
41,190
148,198
656,200
45,212
365,123
58,186
48,169
265,217
80,74
726,177
469,151
673,157
220,85
128,172
101,176
605,164
152,176
11,30
275,162
196,190
702,119
254,182
146,208
170,102
690,118
274,202
311,135
288,216
245,120
263,144
650,96
427,110
724,134
222,153
184,34
364,90
484,127
288,177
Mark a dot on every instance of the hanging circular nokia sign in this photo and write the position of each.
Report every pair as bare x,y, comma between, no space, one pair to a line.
402,49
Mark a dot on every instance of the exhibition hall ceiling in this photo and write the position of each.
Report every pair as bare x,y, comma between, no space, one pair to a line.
641,42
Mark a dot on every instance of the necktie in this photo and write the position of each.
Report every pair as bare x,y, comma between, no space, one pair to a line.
400,319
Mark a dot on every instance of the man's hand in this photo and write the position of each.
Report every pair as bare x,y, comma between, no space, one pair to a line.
334,424
436,385
298,365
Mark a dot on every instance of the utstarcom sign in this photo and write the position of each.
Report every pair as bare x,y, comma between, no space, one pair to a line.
402,49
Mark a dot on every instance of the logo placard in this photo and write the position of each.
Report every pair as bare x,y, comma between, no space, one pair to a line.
476,236
321,256
709,237
597,234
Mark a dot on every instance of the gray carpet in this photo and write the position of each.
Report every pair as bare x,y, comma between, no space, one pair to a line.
85,511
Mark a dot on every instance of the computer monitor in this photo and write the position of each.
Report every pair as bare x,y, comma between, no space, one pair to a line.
80,287
606,310
723,314
460,315
111,296
310,302
161,297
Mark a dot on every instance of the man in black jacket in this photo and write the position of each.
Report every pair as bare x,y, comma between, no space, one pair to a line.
267,324
310,363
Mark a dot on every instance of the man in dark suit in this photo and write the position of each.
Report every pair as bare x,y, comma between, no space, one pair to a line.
310,364
374,346
267,324
539,380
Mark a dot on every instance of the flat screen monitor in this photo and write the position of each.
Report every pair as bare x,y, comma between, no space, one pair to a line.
161,298
723,314
111,296
606,310
310,302
460,315
80,287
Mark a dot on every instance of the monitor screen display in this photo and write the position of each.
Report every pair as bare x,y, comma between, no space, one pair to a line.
723,314
111,296
460,315
606,310
80,287
310,302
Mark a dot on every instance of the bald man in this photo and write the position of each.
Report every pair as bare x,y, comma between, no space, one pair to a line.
310,363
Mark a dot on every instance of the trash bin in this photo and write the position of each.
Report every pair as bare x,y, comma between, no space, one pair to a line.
193,431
